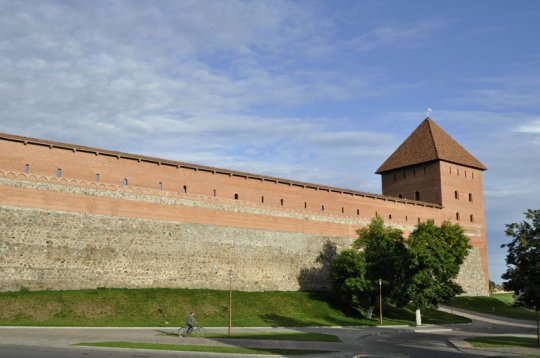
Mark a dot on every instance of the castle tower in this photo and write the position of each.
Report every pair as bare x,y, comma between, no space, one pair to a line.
432,167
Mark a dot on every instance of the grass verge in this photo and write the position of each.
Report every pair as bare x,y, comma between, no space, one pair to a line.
206,349
499,304
272,336
169,307
503,341
505,297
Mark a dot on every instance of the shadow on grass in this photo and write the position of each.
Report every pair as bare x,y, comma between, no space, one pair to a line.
275,320
333,313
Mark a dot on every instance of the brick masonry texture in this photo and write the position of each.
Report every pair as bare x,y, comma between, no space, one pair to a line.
69,220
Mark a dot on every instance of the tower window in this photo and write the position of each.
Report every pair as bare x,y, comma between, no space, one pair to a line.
305,204
124,182
262,199
450,169
456,194
322,207
97,177
27,168
390,216
465,173
470,197
416,195
215,193
160,185
472,175
184,189
471,217
457,216
357,211
414,172
406,218
235,196
418,219
342,210
457,172
281,202
59,172
400,196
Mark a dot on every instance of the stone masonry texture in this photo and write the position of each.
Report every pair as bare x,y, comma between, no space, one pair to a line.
44,249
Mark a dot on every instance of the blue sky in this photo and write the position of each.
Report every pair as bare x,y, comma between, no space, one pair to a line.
309,90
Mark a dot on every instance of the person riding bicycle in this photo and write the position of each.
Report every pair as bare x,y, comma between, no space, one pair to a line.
190,322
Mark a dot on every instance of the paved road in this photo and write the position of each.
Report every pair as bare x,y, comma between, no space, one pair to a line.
365,342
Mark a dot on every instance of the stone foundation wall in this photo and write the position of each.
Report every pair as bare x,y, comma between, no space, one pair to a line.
46,249
471,276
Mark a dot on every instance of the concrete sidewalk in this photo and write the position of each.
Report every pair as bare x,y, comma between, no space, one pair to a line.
464,346
488,318
68,336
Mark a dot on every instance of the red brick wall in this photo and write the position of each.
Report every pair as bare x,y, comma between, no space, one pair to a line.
82,167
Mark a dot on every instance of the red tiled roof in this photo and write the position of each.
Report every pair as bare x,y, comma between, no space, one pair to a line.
427,143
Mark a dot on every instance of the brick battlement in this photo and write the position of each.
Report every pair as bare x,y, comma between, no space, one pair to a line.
213,170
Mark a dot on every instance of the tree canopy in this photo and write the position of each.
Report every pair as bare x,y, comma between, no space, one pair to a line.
435,255
523,260
385,254
420,269
349,274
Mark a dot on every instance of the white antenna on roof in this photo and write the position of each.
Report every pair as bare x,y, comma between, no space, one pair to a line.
428,112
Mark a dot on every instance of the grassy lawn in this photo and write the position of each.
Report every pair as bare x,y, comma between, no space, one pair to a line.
169,307
212,349
507,341
497,304
506,297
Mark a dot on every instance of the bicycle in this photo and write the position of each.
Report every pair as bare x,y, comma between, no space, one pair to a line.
196,332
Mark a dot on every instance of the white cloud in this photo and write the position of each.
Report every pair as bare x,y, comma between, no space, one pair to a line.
402,35
531,127
514,92
279,88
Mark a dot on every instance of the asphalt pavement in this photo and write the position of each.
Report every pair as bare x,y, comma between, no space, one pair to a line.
360,342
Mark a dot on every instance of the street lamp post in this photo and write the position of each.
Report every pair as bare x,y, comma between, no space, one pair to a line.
380,300
230,302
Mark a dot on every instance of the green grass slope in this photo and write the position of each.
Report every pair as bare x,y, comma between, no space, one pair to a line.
169,307
500,304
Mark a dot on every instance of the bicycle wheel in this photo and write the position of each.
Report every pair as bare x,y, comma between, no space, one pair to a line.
200,331
181,331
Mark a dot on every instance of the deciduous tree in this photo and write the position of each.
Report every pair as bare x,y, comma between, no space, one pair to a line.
385,254
523,260
420,270
435,255
378,253
349,274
